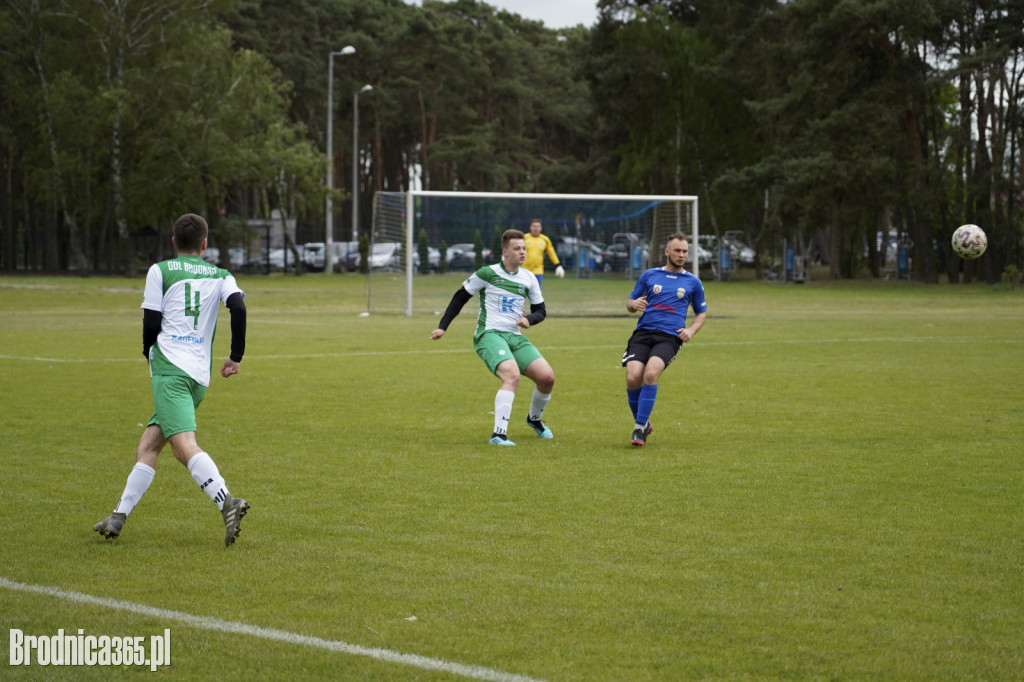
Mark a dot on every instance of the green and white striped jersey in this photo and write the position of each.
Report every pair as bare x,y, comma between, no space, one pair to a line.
188,292
503,297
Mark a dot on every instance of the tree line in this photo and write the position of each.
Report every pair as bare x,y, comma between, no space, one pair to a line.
823,123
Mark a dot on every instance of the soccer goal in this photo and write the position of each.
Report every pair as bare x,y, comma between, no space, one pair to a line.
423,232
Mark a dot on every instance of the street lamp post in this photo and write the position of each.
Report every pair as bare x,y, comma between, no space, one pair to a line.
329,236
355,159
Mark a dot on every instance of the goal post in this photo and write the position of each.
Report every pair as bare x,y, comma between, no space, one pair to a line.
613,235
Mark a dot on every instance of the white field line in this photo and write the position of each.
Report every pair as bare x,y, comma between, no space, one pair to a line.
696,345
215,624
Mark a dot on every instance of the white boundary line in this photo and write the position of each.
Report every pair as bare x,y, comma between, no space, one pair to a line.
218,625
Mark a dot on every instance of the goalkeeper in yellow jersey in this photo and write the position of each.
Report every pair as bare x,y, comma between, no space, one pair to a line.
537,245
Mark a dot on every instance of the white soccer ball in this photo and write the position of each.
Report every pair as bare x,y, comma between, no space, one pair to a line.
969,242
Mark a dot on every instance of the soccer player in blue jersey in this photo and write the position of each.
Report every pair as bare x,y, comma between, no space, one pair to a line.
661,296
504,290
180,305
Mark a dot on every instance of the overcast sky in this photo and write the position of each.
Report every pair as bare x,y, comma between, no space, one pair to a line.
554,13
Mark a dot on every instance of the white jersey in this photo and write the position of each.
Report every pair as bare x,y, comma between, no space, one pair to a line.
503,297
188,292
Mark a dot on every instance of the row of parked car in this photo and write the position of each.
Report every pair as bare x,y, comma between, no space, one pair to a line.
238,260
313,257
615,257
620,255
390,256
740,254
387,255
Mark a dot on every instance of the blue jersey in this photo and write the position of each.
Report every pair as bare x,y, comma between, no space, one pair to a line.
668,294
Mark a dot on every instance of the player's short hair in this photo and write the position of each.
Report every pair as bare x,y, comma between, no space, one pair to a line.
675,235
189,232
536,220
509,235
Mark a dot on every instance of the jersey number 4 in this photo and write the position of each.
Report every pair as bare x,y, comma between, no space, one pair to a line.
192,305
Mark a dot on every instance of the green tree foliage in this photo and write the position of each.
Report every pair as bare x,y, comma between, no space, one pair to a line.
229,131
815,122
839,116
822,121
469,96
674,124
987,45
145,117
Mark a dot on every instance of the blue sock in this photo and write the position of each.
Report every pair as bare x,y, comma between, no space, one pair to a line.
633,398
645,404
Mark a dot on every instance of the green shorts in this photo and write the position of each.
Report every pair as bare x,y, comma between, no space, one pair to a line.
175,398
495,347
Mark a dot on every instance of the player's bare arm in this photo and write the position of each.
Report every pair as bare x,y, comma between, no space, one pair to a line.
687,333
636,305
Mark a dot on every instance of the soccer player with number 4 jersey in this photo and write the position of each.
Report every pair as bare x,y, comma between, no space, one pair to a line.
662,297
504,290
180,306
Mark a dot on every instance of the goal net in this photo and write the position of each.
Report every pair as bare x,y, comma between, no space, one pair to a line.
424,242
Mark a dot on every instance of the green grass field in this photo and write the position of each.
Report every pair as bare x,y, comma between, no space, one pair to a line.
833,490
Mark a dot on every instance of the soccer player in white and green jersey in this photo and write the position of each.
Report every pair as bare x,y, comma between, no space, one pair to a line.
180,306
504,289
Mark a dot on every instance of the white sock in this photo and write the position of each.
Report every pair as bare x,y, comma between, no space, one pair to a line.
207,477
503,410
138,483
538,403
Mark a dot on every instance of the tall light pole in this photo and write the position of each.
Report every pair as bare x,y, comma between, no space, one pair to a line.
329,236
355,159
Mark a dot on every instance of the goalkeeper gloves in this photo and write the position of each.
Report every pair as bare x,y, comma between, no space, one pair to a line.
559,271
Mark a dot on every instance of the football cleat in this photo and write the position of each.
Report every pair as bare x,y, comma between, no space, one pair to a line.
640,435
499,439
542,430
234,509
110,527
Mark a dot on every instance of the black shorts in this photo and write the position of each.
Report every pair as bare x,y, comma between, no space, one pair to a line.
647,343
